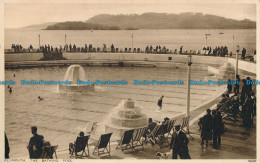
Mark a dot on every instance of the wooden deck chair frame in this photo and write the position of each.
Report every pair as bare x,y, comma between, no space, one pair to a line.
185,122
85,140
160,136
126,141
105,139
46,152
157,136
138,134
170,127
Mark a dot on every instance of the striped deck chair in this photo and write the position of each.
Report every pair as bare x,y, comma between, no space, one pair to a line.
103,142
171,123
160,139
48,152
185,122
80,146
138,134
157,136
152,134
125,142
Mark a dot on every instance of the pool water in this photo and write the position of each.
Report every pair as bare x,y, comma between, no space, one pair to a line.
60,116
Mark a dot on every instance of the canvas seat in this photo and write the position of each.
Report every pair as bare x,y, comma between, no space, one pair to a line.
102,147
80,146
138,134
125,142
48,152
185,122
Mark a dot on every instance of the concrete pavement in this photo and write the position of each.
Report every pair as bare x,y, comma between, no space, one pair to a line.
237,143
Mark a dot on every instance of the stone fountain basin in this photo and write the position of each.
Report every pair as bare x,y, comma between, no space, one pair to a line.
117,130
128,122
76,88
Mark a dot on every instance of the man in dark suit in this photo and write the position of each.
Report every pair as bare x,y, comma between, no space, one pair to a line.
179,144
35,144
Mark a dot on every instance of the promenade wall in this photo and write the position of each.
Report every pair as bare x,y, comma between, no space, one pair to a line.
17,57
160,60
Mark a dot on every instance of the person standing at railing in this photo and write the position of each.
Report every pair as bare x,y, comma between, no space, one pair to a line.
243,56
181,49
112,48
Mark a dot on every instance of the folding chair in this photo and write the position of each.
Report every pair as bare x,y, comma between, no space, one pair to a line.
171,123
125,142
157,136
104,140
80,145
137,135
48,152
161,139
185,122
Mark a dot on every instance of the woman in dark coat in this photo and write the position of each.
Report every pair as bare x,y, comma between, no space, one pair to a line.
206,129
218,128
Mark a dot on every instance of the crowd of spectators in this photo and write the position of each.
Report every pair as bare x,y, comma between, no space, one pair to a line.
221,51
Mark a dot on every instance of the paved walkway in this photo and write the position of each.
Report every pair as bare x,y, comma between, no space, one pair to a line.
237,143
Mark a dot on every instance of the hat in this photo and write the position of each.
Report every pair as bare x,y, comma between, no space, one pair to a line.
166,118
177,125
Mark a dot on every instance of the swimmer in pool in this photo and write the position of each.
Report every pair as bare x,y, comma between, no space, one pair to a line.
10,90
39,98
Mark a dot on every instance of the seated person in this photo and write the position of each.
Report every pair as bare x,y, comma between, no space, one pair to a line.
36,144
165,123
151,125
72,146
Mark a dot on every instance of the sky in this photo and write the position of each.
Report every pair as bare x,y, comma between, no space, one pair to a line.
17,14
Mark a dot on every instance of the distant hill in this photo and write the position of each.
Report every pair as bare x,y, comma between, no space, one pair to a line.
39,26
171,21
78,25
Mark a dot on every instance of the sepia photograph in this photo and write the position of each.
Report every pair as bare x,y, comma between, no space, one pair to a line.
132,80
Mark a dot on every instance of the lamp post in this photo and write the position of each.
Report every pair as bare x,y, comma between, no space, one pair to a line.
207,39
132,43
65,39
237,60
65,43
39,43
188,89
233,42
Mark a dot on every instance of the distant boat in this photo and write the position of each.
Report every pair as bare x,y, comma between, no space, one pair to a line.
221,33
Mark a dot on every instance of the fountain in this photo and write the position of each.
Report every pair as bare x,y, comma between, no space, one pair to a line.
127,115
73,74
226,72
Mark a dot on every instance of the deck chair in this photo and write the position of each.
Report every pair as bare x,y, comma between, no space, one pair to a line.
161,139
185,122
157,136
48,152
171,123
138,134
125,142
103,142
89,127
80,146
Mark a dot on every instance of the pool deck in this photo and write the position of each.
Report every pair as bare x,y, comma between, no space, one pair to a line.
237,143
